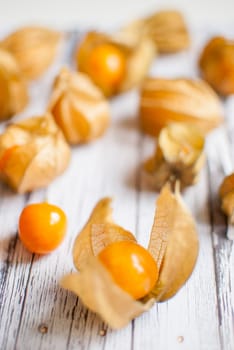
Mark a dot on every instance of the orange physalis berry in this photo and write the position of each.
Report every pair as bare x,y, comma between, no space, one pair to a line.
131,266
42,227
106,66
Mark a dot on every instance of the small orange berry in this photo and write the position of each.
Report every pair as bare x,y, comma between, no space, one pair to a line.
42,227
106,66
131,266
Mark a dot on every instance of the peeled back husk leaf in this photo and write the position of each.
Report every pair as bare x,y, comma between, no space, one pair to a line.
226,193
138,53
173,228
13,89
167,29
179,156
79,107
100,294
34,48
178,100
99,231
175,225
33,152
217,64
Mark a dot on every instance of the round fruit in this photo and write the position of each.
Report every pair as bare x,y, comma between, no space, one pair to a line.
42,227
106,66
132,267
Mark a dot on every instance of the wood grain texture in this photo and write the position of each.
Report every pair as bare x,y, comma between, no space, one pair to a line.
35,313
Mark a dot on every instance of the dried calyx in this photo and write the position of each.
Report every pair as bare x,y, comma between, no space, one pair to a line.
33,152
226,193
13,95
79,107
167,29
173,246
179,156
178,100
135,56
217,64
34,48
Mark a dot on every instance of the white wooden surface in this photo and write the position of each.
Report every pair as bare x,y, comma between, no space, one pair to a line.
35,313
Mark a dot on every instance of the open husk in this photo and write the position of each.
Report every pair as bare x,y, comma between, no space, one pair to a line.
138,54
179,156
13,89
178,100
174,228
79,107
167,29
173,245
226,193
33,152
34,48
217,64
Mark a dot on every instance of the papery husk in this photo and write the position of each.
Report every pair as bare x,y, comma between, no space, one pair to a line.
226,193
99,231
13,89
139,54
217,64
100,294
173,238
34,48
179,155
167,29
175,226
178,100
40,153
79,107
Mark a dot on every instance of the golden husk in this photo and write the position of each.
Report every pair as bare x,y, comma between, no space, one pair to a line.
177,230
179,156
138,53
79,107
39,153
167,29
13,89
226,193
173,244
217,64
34,48
164,101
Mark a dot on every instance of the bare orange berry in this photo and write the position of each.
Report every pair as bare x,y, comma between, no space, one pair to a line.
131,266
106,66
42,227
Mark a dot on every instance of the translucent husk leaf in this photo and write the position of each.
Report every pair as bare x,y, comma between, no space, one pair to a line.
100,294
13,89
138,64
176,226
139,54
99,231
217,64
173,237
34,48
178,100
226,193
79,107
167,29
32,153
179,156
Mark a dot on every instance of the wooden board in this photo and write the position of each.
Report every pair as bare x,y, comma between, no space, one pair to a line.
35,313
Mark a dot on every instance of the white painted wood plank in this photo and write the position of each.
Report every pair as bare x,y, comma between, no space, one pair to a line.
220,163
184,321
